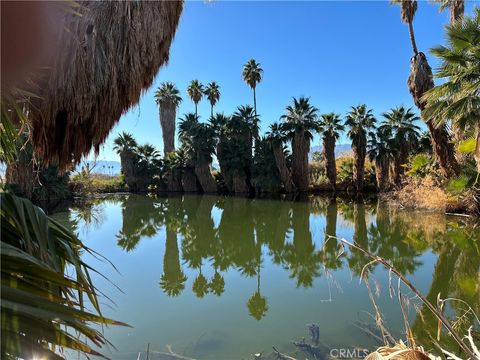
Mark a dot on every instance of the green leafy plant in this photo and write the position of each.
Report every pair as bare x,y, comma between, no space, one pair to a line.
419,165
41,305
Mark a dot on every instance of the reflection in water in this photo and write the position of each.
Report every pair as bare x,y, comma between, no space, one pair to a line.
247,231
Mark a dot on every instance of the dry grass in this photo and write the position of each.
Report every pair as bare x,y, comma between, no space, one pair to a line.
106,58
424,194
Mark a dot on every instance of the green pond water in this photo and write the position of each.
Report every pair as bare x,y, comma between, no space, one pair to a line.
226,277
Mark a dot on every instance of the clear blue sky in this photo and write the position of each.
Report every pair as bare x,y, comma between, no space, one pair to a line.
339,53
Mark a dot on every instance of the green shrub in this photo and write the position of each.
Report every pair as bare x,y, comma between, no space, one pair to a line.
420,165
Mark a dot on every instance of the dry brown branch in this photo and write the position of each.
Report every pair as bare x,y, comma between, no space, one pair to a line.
281,356
458,339
170,354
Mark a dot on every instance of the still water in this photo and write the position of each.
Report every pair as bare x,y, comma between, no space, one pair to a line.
226,277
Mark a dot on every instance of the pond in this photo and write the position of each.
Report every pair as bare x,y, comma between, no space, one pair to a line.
226,277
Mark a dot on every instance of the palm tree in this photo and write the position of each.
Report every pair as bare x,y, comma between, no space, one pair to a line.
276,137
125,146
199,139
252,74
195,93
212,92
237,149
173,278
257,304
457,98
456,7
218,122
359,120
420,81
168,98
330,127
400,122
298,123
381,151
246,114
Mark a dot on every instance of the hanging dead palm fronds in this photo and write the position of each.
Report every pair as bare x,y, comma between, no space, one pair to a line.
420,79
108,54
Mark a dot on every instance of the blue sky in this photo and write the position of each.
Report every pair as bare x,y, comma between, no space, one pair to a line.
339,53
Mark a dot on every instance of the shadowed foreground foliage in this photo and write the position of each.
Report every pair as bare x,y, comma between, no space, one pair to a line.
42,305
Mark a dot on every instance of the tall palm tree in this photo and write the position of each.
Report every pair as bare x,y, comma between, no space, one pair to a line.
237,150
401,123
457,98
381,151
172,281
199,139
212,92
456,7
277,139
298,123
125,145
246,114
359,120
252,74
168,98
420,81
218,122
330,127
195,93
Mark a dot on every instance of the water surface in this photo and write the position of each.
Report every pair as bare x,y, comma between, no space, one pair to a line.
226,277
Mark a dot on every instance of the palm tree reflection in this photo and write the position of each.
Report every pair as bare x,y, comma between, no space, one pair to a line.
255,232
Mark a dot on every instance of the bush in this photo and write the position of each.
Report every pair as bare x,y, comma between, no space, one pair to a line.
420,165
317,173
96,183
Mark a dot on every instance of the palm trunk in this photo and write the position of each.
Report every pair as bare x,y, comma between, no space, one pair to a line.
171,259
281,162
223,169
443,149
189,181
205,177
254,100
457,8
174,181
382,174
167,122
196,106
21,174
300,149
329,155
359,152
396,170
360,234
412,37
127,164
239,182
420,81
211,110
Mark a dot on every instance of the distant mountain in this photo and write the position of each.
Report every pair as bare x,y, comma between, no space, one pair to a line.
102,167
340,149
